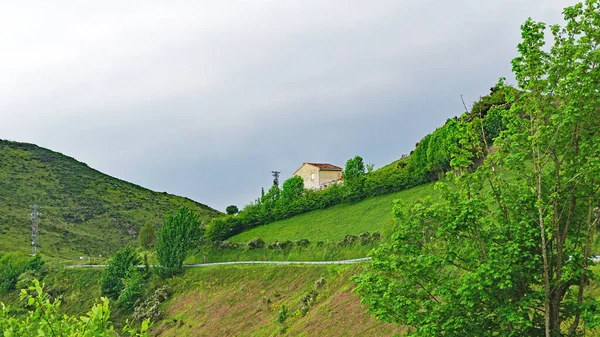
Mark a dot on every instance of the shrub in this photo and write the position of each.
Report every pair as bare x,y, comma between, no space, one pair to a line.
349,240
150,308
228,245
118,267
302,243
12,265
319,283
44,318
283,314
26,279
147,236
179,233
283,245
257,243
132,289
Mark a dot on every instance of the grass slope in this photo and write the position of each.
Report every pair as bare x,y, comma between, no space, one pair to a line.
246,301
333,223
84,212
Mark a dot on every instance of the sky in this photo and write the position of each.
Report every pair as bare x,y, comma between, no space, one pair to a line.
204,98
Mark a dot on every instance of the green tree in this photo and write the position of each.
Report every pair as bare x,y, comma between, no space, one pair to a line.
354,177
132,288
292,188
147,236
231,209
12,265
508,249
111,282
43,318
177,236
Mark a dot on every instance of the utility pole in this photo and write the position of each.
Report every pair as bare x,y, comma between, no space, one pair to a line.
35,217
275,177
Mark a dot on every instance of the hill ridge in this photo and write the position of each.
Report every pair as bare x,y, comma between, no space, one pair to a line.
85,211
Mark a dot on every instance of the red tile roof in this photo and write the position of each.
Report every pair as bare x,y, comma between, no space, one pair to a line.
326,167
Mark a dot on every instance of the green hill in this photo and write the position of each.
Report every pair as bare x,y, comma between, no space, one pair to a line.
247,301
369,215
83,211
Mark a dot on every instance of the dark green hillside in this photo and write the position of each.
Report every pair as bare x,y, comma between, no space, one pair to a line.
84,212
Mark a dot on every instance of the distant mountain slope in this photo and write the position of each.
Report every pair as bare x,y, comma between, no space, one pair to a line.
84,212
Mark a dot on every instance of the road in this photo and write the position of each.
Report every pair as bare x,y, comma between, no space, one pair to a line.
364,259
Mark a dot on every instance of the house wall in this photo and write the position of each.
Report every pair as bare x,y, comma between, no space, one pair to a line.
305,173
325,177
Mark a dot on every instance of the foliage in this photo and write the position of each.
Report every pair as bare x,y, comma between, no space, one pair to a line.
150,308
231,209
428,162
13,265
283,314
256,243
354,178
509,247
147,236
179,233
292,188
45,319
117,270
333,223
132,288
78,204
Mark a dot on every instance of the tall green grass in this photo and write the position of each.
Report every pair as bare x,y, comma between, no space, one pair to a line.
369,215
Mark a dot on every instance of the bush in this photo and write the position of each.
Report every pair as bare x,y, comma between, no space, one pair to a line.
283,314
150,308
26,279
349,240
283,245
319,283
132,289
179,233
228,245
302,243
111,282
45,319
12,265
147,236
257,243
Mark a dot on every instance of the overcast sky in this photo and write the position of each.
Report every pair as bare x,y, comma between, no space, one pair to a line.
204,98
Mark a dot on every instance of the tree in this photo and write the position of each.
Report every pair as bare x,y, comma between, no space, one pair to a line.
43,318
147,236
354,177
232,209
177,236
508,249
12,265
292,188
111,282
132,288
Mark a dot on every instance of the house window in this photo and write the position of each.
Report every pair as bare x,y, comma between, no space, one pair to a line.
312,176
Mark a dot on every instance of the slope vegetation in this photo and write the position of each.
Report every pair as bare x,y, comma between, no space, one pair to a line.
83,211
369,215
247,301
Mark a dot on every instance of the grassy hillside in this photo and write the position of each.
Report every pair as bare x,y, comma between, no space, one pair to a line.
246,301
369,215
84,212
